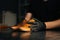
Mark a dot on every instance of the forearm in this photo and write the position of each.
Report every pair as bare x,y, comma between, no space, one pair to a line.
52,24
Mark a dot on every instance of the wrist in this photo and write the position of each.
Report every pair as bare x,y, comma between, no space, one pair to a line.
57,22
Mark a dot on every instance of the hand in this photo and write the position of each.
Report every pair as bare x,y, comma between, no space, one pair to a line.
33,27
28,16
27,19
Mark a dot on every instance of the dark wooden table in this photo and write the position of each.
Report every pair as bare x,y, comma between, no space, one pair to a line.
41,35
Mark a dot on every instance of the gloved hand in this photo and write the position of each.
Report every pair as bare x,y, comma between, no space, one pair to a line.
38,26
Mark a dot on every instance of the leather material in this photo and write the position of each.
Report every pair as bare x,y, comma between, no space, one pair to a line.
38,26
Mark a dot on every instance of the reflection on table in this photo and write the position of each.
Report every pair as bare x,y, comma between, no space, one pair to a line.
52,35
42,35
22,35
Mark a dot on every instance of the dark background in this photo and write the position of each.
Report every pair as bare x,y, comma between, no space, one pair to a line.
46,11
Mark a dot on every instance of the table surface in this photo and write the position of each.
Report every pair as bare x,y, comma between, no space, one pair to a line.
42,35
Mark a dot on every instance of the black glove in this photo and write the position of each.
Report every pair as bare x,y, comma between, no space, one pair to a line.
38,26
